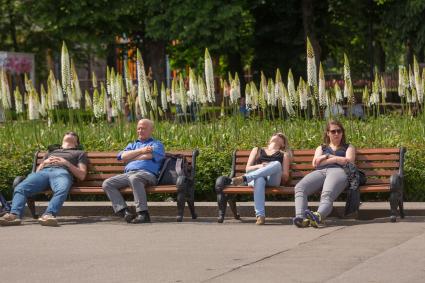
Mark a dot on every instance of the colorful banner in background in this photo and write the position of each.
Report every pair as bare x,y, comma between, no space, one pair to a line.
18,63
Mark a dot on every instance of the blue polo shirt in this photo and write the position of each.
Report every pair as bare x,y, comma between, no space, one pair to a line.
152,165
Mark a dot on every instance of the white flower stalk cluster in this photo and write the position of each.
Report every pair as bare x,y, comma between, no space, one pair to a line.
182,95
141,85
366,96
99,102
288,101
53,92
383,91
117,93
311,65
411,84
376,88
338,93
209,77
252,99
401,86
33,104
5,91
18,101
128,78
202,90
292,95
418,81
66,70
279,89
164,102
87,100
43,107
322,87
74,96
303,94
235,88
348,86
154,104
193,92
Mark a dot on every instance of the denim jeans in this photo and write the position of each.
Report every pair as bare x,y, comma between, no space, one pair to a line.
269,175
58,179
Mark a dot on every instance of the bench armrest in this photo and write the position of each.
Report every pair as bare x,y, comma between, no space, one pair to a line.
17,180
195,154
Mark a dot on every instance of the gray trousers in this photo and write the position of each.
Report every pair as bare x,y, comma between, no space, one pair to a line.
333,181
136,180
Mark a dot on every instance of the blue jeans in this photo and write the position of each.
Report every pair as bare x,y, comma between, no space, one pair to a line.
269,175
58,179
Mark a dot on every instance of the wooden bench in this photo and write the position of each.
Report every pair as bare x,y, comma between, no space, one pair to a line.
103,165
382,166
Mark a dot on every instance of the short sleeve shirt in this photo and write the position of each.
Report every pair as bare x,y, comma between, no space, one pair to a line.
72,155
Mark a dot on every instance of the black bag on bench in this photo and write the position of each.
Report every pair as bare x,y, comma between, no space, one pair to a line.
174,166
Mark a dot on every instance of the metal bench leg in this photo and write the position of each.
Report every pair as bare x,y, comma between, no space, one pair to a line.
396,197
191,202
181,199
31,207
401,209
394,205
232,205
220,184
222,205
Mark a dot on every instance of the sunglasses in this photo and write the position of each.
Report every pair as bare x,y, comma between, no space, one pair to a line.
337,131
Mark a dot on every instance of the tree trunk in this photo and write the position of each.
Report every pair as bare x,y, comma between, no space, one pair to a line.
154,58
409,52
380,57
370,41
12,23
308,24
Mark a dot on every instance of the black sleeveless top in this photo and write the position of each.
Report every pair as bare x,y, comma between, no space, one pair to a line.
264,157
341,151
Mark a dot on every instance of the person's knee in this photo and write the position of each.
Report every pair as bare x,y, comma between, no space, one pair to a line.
106,185
260,182
275,164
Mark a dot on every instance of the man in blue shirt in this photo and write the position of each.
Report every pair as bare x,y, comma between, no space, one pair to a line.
143,160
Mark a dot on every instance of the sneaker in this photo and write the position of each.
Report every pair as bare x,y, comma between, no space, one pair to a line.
261,220
237,181
10,219
142,217
48,220
301,222
314,217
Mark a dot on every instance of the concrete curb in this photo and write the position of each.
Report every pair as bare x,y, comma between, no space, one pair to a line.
368,210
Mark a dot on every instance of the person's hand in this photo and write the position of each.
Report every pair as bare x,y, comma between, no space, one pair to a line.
148,149
319,159
342,161
55,160
264,164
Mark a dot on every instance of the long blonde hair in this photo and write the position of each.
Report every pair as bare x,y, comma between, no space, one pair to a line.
285,147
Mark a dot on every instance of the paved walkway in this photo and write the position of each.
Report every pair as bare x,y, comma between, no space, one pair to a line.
103,249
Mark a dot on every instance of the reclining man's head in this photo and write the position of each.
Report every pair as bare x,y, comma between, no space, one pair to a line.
70,140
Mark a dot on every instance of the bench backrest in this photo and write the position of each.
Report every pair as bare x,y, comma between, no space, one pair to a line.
103,165
378,163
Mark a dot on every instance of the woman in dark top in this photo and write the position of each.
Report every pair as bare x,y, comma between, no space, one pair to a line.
57,170
329,176
266,166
